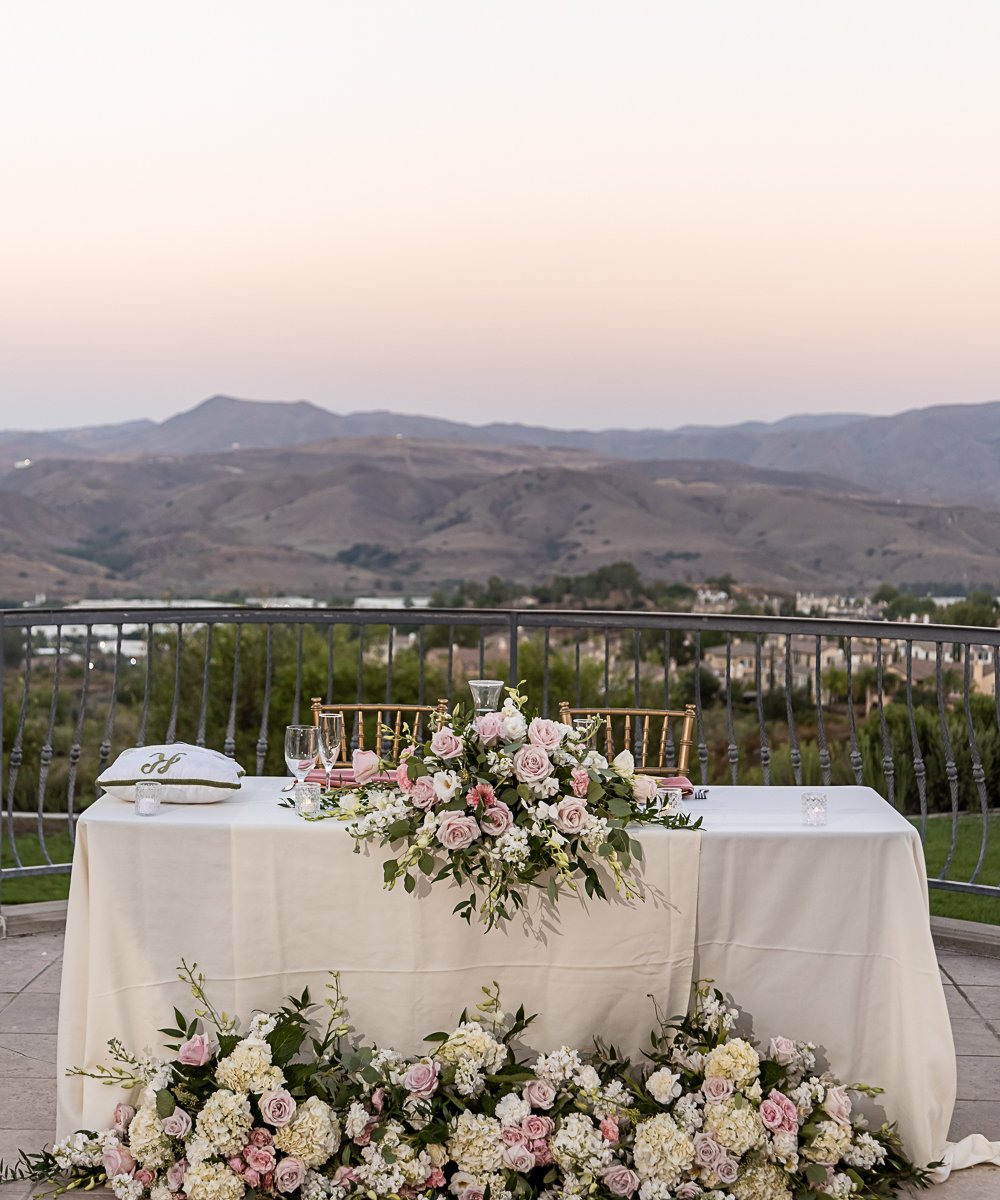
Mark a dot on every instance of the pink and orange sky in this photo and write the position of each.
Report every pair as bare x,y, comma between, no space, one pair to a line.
569,211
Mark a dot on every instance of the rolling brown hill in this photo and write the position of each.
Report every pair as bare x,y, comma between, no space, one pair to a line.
354,516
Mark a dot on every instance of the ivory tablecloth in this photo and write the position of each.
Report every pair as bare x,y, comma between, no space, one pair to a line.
818,933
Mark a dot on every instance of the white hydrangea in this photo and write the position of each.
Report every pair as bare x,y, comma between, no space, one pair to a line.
476,1143
761,1181
225,1121
663,1152
830,1143
147,1142
784,1148
653,1189
736,1127
663,1085
472,1043
558,1067
212,1181
249,1069
736,1060
865,1153
160,1191
313,1134
199,1150
512,1109
578,1146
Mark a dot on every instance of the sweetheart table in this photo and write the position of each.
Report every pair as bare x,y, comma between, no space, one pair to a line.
816,932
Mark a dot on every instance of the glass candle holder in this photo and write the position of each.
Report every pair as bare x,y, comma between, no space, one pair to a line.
307,799
672,797
147,799
485,694
814,808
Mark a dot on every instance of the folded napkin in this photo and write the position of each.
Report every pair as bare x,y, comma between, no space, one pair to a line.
677,781
344,777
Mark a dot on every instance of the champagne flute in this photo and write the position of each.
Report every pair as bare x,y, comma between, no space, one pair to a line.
331,734
301,749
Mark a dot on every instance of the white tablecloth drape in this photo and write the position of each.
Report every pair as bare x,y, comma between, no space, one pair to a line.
817,933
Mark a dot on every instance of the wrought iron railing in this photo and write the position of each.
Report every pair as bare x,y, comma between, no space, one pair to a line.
910,709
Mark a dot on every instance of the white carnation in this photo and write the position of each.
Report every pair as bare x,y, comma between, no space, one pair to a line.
663,1085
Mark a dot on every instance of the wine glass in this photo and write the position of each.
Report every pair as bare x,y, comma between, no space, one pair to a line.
331,733
301,749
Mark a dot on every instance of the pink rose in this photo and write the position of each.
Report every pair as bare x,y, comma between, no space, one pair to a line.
539,1093
531,764
456,831
580,778
471,1193
688,1191
366,765
251,1177
277,1107
620,1181
123,1118
422,1079
178,1124
144,1176
779,1114
513,1135
707,1150
343,1177
716,1090
726,1170
175,1175
446,743
116,1160
838,1105
260,1136
570,815
403,780
260,1158
488,727
783,1050
609,1130
288,1174
423,795
496,820
267,1182
518,1157
643,789
196,1051
536,1127
235,1163
435,1178
378,1099
543,1155
545,734
482,794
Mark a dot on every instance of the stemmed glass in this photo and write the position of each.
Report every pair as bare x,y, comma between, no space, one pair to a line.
331,734
301,749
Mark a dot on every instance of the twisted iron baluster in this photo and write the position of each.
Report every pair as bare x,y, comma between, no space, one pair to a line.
733,751
765,748
702,747
794,755
297,700
857,763
671,761
203,715
74,752
266,712
888,767
978,774
109,728
919,769
951,770
824,753
146,690
172,723
45,758
230,743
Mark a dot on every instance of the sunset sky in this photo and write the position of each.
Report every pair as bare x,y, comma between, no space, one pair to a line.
571,212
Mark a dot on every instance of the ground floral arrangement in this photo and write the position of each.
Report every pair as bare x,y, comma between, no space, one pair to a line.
295,1107
504,802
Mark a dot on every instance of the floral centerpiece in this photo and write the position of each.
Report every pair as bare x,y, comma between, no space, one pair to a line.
297,1108
504,801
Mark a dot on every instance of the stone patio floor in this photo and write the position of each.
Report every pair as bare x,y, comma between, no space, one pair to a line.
29,1000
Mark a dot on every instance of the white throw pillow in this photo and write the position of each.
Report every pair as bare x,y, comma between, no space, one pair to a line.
186,774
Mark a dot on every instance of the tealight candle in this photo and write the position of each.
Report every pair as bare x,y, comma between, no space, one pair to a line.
147,799
814,808
307,799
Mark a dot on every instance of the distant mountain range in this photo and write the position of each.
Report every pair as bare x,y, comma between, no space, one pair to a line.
248,496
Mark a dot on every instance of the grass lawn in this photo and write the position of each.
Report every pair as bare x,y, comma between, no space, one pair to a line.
943,904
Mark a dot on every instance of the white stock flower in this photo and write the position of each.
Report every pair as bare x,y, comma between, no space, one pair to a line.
587,1079
865,1153
125,1187
559,1066
77,1150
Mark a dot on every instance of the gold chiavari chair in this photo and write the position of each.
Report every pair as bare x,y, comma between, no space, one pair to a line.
643,731
385,725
